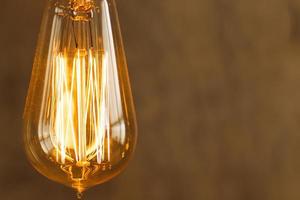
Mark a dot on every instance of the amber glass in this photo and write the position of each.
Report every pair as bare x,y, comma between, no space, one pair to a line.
79,120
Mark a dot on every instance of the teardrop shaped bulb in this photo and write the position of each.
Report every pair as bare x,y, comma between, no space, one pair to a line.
79,118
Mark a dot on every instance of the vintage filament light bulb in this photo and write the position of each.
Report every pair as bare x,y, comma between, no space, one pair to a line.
79,118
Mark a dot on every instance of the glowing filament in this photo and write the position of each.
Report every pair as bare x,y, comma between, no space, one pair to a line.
78,109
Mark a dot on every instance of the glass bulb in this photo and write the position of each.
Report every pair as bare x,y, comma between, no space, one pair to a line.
79,118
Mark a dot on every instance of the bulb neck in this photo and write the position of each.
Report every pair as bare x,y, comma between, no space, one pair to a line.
80,2
81,5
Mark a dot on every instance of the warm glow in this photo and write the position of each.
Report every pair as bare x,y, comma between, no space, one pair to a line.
80,127
77,109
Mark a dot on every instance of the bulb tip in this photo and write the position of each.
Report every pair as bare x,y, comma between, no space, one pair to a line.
79,195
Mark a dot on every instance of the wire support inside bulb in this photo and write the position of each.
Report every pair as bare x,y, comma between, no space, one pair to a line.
78,18
76,10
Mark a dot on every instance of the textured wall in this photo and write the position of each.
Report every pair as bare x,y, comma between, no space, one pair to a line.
216,87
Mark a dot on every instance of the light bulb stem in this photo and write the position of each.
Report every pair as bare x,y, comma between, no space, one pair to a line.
80,2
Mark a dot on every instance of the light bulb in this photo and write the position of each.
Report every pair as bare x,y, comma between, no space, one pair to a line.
79,118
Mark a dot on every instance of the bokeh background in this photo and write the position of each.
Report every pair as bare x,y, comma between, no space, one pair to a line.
216,86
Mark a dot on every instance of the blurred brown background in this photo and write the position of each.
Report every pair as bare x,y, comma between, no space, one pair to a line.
216,86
